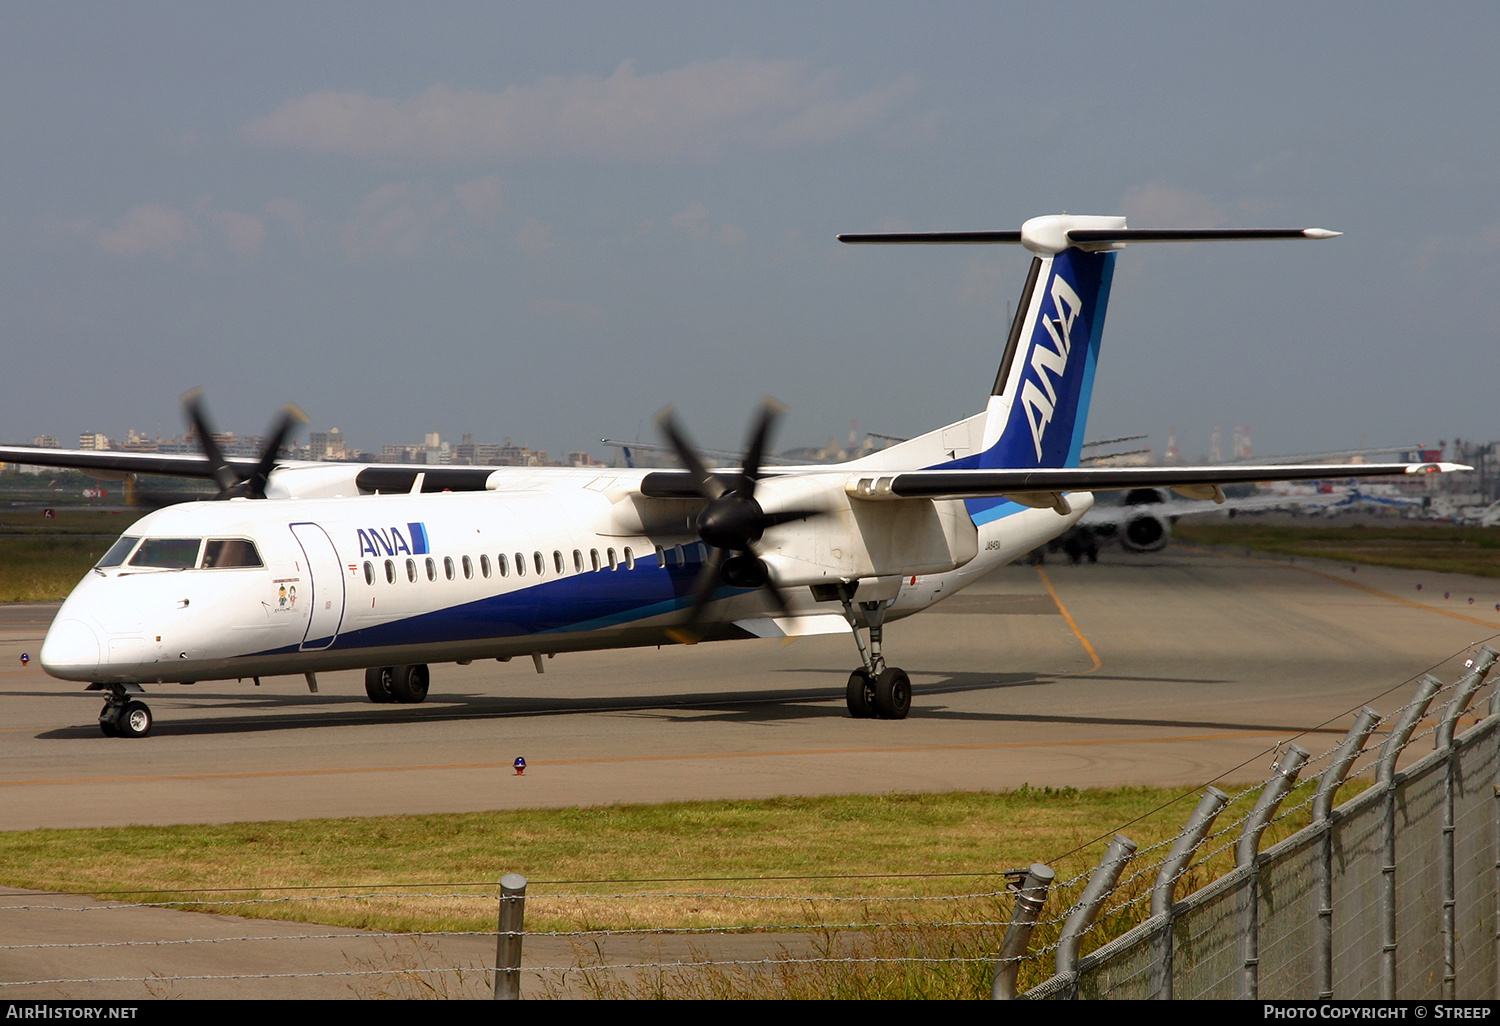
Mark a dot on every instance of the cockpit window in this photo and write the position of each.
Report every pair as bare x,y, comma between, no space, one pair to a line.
168,553
117,552
221,553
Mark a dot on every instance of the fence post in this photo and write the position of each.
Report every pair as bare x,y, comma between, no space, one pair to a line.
1463,693
1029,900
508,940
1164,891
1385,776
1322,815
1283,778
1101,882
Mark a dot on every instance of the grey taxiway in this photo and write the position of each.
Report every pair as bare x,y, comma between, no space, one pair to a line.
1174,669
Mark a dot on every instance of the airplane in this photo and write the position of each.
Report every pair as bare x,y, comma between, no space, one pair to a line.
313,567
1142,521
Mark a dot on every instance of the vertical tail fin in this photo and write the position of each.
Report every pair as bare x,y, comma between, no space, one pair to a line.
1039,405
1040,402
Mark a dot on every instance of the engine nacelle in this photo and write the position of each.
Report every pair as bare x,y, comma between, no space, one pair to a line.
1145,533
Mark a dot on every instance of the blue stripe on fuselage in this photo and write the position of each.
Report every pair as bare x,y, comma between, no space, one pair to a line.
579,602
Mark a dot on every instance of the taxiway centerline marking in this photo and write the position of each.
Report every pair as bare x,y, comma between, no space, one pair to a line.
1077,633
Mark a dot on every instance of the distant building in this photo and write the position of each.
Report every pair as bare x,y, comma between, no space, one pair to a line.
327,445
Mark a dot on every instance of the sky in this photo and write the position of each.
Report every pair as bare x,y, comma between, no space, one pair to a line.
545,221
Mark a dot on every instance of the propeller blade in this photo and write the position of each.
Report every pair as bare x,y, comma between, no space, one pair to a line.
291,418
778,598
225,475
708,485
770,412
703,589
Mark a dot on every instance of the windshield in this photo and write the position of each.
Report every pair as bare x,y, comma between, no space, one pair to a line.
168,553
230,552
118,551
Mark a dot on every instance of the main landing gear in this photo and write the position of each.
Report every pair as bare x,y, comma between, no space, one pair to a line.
405,684
122,716
875,690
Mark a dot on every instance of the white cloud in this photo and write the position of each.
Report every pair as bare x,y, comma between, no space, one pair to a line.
243,232
535,238
1159,206
692,219
396,220
694,111
149,228
481,198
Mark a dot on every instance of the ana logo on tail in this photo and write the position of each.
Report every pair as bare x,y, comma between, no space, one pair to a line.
1049,364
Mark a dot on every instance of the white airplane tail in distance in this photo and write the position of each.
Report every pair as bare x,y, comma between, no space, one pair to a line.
312,567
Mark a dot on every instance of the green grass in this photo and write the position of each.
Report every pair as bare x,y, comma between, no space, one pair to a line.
1453,550
42,558
691,864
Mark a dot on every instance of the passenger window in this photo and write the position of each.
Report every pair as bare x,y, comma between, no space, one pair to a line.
557,560
411,570
520,565
541,566
167,553
594,558
678,556
577,562
468,569
369,572
629,559
117,552
614,563
661,557
390,572
484,565
504,565
448,567
431,569
230,553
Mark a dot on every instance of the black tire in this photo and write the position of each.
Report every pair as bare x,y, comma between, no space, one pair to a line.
108,727
378,680
892,694
859,695
135,720
409,683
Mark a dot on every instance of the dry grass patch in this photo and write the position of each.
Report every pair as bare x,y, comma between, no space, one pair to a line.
1454,550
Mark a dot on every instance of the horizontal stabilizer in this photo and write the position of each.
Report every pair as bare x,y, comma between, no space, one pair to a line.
1054,233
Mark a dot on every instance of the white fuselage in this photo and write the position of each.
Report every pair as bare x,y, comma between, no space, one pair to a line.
556,562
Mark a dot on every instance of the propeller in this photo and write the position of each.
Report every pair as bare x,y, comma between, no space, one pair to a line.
236,480
731,521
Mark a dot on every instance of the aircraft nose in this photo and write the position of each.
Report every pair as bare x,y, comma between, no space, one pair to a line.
70,650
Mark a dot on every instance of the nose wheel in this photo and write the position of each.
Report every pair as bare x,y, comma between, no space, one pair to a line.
123,716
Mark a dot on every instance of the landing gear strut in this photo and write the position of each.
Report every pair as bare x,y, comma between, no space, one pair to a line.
406,684
875,690
122,716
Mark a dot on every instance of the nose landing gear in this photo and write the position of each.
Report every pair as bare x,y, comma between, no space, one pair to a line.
122,716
